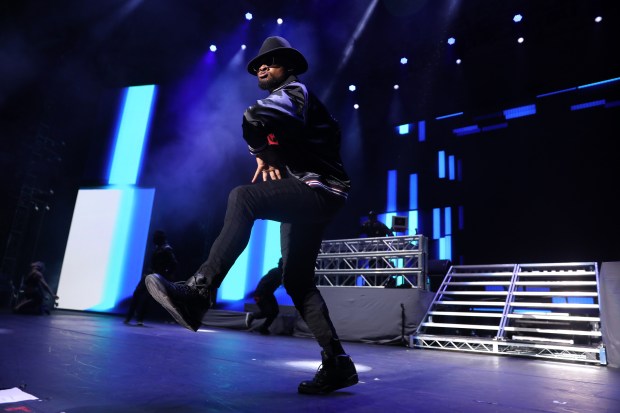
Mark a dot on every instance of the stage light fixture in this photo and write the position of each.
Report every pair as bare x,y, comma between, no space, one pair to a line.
520,40
598,19
451,41
458,61
352,88
213,48
517,18
396,87
280,21
243,47
403,60
248,16
356,106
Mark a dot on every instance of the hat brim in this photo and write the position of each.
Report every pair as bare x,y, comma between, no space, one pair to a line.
298,61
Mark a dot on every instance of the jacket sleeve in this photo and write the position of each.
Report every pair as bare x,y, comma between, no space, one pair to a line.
264,122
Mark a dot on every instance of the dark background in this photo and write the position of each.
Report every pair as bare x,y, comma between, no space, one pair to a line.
540,190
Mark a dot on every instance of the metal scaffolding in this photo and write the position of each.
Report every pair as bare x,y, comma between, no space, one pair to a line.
373,262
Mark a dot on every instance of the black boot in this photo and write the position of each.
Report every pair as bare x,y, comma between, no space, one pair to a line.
336,372
186,301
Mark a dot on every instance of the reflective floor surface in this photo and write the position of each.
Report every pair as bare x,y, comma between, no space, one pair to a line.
89,363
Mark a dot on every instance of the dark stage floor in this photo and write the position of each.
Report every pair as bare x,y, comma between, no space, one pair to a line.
82,362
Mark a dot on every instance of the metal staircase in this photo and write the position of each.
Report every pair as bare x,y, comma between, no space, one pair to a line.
536,310
373,262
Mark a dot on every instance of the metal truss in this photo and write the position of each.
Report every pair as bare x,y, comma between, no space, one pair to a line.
373,262
589,355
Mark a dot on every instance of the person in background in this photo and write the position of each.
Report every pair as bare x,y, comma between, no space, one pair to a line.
164,262
299,181
264,297
31,299
375,228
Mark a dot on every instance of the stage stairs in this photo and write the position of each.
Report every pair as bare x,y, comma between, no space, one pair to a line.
546,310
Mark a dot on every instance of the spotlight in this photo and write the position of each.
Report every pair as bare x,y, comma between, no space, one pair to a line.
396,87
451,41
517,18
520,40
280,21
213,48
403,60
352,88
243,47
458,61
598,19
356,106
248,16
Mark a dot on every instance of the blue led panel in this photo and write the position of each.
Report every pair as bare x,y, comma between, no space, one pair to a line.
413,191
421,131
466,130
131,135
105,250
520,111
451,168
391,190
403,129
587,105
441,164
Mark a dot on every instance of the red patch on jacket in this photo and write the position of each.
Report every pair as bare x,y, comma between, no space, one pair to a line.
272,140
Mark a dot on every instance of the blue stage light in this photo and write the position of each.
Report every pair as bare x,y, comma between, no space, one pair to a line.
451,41
248,16
403,60
517,18
352,88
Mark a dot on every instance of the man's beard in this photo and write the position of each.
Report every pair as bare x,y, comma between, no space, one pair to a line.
269,83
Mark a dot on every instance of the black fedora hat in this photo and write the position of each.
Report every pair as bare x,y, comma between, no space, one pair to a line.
279,46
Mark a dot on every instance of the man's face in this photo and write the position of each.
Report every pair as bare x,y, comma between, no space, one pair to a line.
271,76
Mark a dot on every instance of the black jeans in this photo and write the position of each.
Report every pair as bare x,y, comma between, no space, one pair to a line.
268,309
303,213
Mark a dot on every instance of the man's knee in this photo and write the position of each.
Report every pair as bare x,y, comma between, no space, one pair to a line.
238,194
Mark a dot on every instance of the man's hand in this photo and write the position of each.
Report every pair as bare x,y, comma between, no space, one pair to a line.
266,170
267,166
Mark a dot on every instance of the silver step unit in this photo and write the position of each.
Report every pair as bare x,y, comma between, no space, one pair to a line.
373,262
536,310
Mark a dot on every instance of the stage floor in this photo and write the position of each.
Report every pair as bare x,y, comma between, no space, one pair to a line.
90,363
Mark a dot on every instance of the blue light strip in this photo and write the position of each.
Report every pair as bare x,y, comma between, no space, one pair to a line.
421,131
403,129
588,105
557,92
520,111
391,190
461,213
615,79
449,116
494,127
445,248
413,223
119,246
261,254
272,246
441,164
447,215
436,223
451,168
131,135
413,191
466,130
